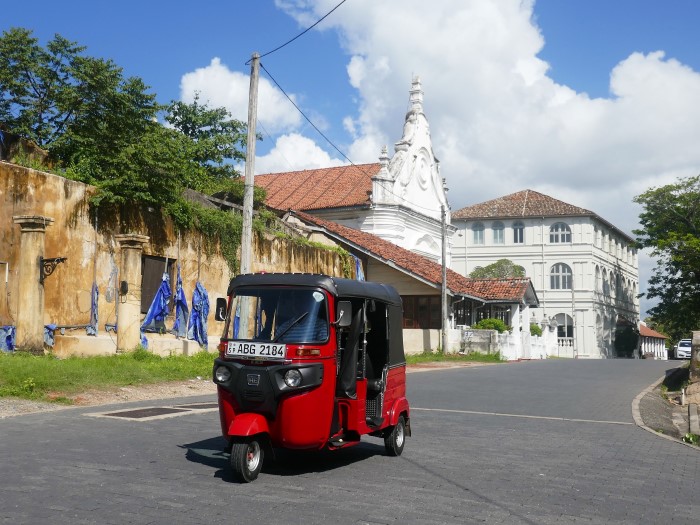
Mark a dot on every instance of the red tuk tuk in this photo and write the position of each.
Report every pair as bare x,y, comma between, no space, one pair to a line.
309,362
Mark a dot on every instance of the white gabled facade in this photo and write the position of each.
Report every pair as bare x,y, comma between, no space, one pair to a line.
584,270
408,194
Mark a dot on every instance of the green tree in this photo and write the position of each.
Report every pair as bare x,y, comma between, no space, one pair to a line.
98,125
217,140
102,128
501,269
670,226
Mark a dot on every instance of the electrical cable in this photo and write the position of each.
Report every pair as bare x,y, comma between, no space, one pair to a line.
303,32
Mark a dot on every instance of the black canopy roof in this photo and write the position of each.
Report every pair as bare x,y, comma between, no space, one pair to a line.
335,285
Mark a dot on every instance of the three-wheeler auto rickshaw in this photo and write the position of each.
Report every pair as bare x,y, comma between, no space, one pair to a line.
309,362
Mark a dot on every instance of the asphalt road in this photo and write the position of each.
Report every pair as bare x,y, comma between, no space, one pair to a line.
534,442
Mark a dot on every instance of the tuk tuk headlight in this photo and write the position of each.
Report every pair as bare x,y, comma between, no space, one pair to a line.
292,378
222,374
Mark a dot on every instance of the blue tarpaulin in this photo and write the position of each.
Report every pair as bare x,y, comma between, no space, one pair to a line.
158,311
197,329
359,273
49,329
181,309
7,338
91,329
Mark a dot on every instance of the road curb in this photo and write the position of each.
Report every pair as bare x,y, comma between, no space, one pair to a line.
693,418
637,416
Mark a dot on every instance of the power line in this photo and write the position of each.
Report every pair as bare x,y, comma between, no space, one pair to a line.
304,115
303,32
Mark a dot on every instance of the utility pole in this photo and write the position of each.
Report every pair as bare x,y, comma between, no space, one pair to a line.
444,279
247,233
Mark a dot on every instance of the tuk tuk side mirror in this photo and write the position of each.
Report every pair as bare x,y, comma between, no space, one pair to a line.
344,314
220,313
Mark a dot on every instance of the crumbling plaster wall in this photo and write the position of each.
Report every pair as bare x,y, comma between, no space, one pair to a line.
92,252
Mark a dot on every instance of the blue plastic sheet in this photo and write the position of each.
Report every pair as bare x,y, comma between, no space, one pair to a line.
91,329
181,308
359,273
158,311
7,338
197,330
49,329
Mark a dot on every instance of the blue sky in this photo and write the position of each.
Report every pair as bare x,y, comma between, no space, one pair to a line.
590,101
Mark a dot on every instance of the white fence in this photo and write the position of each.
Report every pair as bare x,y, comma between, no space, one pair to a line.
514,346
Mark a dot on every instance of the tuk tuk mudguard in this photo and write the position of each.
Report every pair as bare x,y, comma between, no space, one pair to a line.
400,407
248,424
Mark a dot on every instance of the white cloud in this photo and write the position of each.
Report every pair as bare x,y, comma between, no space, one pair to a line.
221,87
294,152
496,115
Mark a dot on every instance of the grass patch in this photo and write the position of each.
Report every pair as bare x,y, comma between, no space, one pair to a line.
47,378
431,357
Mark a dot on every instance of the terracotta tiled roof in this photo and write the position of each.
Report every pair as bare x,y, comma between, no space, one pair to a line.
511,289
529,203
526,203
321,188
487,290
645,331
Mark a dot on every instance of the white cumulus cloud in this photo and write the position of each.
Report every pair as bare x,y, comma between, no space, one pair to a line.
221,87
294,152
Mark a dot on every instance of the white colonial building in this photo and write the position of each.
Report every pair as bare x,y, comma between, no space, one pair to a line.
584,269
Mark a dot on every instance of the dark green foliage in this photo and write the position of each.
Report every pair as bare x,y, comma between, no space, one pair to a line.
626,341
215,138
102,128
670,226
501,269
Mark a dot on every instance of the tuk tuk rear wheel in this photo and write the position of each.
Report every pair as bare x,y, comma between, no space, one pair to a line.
246,460
396,439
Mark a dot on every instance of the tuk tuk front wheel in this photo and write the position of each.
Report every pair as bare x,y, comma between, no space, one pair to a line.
246,460
396,439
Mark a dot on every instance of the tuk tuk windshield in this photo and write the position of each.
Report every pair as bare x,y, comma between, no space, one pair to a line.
278,315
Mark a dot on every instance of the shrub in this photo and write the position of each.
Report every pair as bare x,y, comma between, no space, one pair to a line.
535,329
492,324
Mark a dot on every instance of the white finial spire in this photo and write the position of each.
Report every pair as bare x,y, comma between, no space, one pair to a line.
384,157
416,95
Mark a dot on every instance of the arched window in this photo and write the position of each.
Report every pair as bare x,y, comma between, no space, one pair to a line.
597,279
606,284
559,233
565,325
611,290
498,233
560,277
518,233
596,237
478,230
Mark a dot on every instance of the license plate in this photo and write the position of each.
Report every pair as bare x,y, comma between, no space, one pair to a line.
269,351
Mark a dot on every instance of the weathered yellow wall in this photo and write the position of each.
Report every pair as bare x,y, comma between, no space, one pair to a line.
94,253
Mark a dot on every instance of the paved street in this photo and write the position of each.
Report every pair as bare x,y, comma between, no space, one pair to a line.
533,442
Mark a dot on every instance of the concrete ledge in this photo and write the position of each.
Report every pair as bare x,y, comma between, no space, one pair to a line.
84,345
167,344
106,344
693,418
